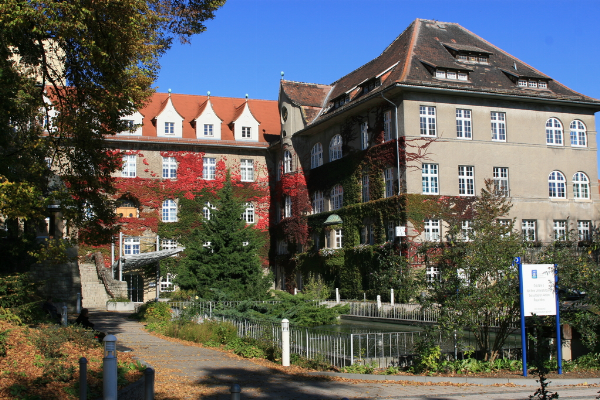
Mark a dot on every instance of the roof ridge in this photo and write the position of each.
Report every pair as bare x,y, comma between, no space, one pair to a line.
211,96
411,46
305,83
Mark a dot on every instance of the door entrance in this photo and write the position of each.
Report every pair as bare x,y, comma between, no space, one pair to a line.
135,287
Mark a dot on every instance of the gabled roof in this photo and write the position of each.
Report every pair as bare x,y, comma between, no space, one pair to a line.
310,97
226,108
414,55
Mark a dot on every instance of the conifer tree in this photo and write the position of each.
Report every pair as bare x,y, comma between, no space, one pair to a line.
222,259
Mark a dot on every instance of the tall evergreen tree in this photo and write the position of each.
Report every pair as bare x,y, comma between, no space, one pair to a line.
221,256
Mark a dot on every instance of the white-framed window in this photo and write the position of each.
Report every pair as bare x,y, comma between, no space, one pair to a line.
287,161
245,244
168,244
429,178
208,130
581,186
169,167
335,148
432,230
247,170
498,126
131,245
578,134
554,132
501,187
466,230
532,84
246,132
318,202
365,188
560,229
528,228
206,210
508,223
287,211
209,168
387,125
466,180
584,231
169,128
391,230
427,121
166,283
557,185
129,166
388,178
463,124
249,213
316,156
336,197
463,76
364,135
337,238
542,85
433,274
169,211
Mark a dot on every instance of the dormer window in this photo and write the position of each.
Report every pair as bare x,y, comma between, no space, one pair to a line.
449,74
370,85
340,101
532,84
208,130
169,128
246,132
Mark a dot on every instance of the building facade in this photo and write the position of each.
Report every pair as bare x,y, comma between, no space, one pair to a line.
438,113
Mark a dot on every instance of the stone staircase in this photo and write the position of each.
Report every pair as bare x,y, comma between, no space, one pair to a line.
92,289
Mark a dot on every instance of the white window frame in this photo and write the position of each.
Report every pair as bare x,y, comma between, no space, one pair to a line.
433,274
246,132
209,168
466,230
581,186
316,156
432,231
318,202
129,166
287,210
208,130
560,229
365,188
529,230
466,180
554,132
427,121
501,185
578,134
387,126
557,185
206,210
498,120
430,179
337,238
336,197
168,244
169,128
169,167
335,148
166,283
169,211
364,136
247,170
464,124
388,177
287,162
249,213
131,246
584,230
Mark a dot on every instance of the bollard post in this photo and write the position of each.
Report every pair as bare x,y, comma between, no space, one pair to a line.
392,296
149,384
337,295
78,305
378,302
63,316
295,291
235,391
285,342
109,368
82,378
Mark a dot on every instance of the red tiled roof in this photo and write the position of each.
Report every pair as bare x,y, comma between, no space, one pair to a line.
226,108
311,97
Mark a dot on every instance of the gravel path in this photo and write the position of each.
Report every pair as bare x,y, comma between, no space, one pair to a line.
191,372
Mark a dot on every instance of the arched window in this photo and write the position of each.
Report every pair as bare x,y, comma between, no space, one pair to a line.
316,156
206,210
169,211
335,148
581,186
336,197
556,185
578,134
554,132
318,203
287,161
249,213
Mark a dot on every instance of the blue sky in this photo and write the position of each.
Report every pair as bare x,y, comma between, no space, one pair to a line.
250,42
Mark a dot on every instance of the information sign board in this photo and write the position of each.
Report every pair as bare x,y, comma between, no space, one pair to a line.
539,285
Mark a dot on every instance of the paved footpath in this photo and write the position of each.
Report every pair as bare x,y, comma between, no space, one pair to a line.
216,369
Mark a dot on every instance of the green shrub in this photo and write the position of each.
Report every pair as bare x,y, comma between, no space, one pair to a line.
588,361
318,363
154,311
216,332
359,368
247,348
49,338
